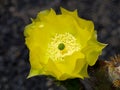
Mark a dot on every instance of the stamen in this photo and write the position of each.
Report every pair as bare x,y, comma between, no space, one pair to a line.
62,45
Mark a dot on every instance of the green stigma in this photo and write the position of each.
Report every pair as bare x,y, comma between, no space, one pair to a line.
61,46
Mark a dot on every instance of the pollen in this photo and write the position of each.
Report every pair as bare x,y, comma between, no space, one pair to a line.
62,45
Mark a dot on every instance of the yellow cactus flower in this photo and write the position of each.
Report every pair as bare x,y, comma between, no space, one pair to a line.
61,45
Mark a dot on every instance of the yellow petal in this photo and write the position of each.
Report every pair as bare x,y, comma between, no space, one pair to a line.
80,69
66,12
35,34
93,53
84,28
37,58
64,76
61,26
35,72
41,16
70,62
37,44
51,69
80,63
69,76
93,49
52,13
85,32
84,71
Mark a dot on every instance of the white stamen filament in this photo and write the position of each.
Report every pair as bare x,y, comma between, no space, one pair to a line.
68,40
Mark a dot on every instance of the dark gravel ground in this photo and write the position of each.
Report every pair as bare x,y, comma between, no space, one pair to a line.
15,14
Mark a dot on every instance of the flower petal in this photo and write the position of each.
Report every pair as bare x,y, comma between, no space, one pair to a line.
66,12
93,49
70,62
37,58
70,76
61,26
84,32
84,28
37,41
84,71
41,16
35,35
52,69
35,72
79,65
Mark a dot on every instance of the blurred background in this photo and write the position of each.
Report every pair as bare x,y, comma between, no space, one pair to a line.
14,55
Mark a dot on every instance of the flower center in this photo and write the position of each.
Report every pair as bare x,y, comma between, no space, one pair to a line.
62,45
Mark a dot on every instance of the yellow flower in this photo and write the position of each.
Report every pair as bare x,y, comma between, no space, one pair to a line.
61,45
